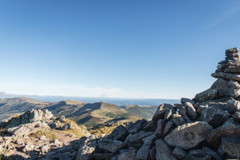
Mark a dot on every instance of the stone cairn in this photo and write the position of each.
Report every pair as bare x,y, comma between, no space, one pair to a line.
206,127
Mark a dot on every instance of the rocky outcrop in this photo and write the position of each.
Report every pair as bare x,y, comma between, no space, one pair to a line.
32,136
206,127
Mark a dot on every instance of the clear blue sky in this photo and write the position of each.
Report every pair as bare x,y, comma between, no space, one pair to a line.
114,48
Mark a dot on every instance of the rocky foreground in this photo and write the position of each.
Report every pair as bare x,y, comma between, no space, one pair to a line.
206,127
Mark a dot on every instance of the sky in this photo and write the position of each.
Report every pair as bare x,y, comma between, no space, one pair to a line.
114,48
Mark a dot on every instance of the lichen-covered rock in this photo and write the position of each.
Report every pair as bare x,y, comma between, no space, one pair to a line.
188,135
86,148
206,95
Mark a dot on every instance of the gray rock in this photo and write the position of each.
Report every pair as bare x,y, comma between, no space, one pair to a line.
211,153
206,95
179,153
168,127
102,156
152,153
137,137
44,149
178,119
151,126
32,115
119,133
191,111
160,113
135,127
226,88
86,147
229,76
110,145
66,126
184,100
230,146
234,70
160,127
183,111
197,155
228,129
236,116
188,135
130,155
215,116
163,151
143,152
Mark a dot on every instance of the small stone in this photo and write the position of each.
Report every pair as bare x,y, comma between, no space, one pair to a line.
178,119
159,114
168,127
229,76
151,126
179,153
44,148
197,155
211,153
236,116
160,127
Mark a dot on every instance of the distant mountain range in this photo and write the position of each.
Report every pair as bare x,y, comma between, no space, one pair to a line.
116,101
88,114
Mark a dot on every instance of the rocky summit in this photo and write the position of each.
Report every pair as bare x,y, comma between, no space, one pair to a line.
203,128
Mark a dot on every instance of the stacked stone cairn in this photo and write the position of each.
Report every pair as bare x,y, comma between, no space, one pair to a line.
203,128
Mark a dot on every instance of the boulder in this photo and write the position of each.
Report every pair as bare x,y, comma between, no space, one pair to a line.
230,146
215,116
163,151
191,111
119,133
188,135
206,95
135,127
228,129
159,114
110,145
226,88
151,126
228,76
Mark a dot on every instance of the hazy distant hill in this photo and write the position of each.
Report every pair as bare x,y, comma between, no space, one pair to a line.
92,114
89,114
11,106
144,112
